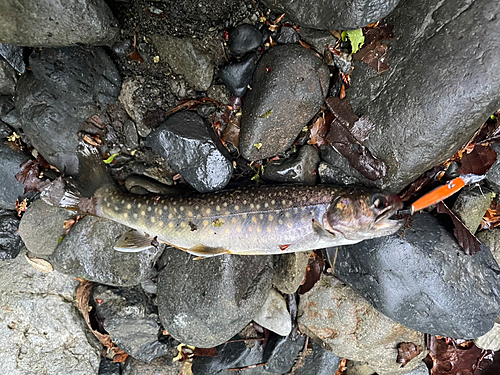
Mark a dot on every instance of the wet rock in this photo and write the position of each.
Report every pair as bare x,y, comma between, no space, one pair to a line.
493,175
159,366
237,76
6,105
219,93
319,39
10,188
299,169
108,367
87,252
49,23
42,331
358,368
203,163
5,131
254,357
289,271
284,354
338,319
229,355
288,88
42,226
471,205
318,361
127,316
491,339
274,315
131,136
8,114
213,298
287,35
491,238
122,47
435,289
333,15
329,174
455,88
10,241
14,56
7,78
65,88
243,39
185,57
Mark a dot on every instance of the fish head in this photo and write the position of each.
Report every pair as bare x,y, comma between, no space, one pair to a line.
361,215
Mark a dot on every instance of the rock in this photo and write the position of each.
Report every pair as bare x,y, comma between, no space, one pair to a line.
491,238
131,136
435,275
42,226
159,366
274,315
358,368
203,162
288,88
284,354
319,39
122,47
287,35
237,76
7,78
342,322
65,88
10,241
219,93
42,332
329,174
254,357
10,188
455,88
87,252
299,169
108,367
243,39
493,175
318,361
185,57
14,56
127,316
491,339
46,23
471,205
333,15
206,302
290,270
229,355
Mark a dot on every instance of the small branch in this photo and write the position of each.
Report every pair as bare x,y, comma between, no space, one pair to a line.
246,367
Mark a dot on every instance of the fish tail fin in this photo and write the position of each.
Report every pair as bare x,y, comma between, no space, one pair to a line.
75,194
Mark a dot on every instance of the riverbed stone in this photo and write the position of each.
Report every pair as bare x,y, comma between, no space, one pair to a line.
8,78
493,175
87,252
454,88
159,366
333,15
290,270
14,55
471,205
42,331
206,302
237,76
414,279
299,169
47,23
288,88
274,314
243,39
343,322
10,188
10,241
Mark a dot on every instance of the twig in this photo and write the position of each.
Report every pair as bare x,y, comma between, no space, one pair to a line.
246,367
250,339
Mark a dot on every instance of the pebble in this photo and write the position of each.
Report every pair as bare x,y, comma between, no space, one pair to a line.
493,175
237,76
159,366
318,39
290,270
287,35
471,205
274,315
318,361
229,355
10,188
299,169
284,354
14,56
243,39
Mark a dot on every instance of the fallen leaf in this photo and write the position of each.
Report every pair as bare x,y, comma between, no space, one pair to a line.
406,352
110,159
319,130
356,38
134,55
21,206
491,218
231,133
375,56
448,358
267,114
205,352
342,367
39,264
29,175
120,356
362,129
478,161
314,270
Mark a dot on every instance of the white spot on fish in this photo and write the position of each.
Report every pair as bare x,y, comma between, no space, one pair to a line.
287,214
153,219
217,208
129,206
135,215
266,205
273,202
149,209
236,207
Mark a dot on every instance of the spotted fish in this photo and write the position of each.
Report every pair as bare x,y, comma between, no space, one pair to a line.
249,221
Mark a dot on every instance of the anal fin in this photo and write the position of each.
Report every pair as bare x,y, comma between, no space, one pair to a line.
133,241
205,251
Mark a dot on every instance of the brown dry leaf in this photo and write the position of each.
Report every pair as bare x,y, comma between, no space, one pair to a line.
93,140
314,270
134,55
120,356
39,264
342,367
29,175
478,160
231,133
375,56
319,130
492,217
448,358
21,206
406,352
205,352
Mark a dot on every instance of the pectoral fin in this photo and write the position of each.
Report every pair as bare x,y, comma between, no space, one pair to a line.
320,231
133,241
205,251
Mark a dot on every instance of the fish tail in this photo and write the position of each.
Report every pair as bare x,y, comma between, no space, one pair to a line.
75,194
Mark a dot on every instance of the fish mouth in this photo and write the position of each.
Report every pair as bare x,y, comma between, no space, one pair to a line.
384,220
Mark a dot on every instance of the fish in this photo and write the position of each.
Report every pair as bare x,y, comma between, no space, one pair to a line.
260,220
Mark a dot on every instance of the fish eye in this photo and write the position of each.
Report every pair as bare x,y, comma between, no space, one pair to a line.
378,201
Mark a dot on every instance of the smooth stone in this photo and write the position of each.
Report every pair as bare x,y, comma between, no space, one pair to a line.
128,317
434,275
329,174
288,88
237,76
122,47
243,39
6,105
287,35
254,357
319,39
42,226
298,169
5,131
338,319
274,315
284,354
107,367
8,78
358,368
187,59
229,355
87,252
491,238
471,205
42,331
14,56
333,15
454,88
10,188
131,136
493,175
47,23
318,361
10,241
213,298
290,270
65,87
159,366
491,339
204,164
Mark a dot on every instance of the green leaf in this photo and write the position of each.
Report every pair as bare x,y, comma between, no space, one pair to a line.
356,37
344,36
110,159
267,114
258,145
